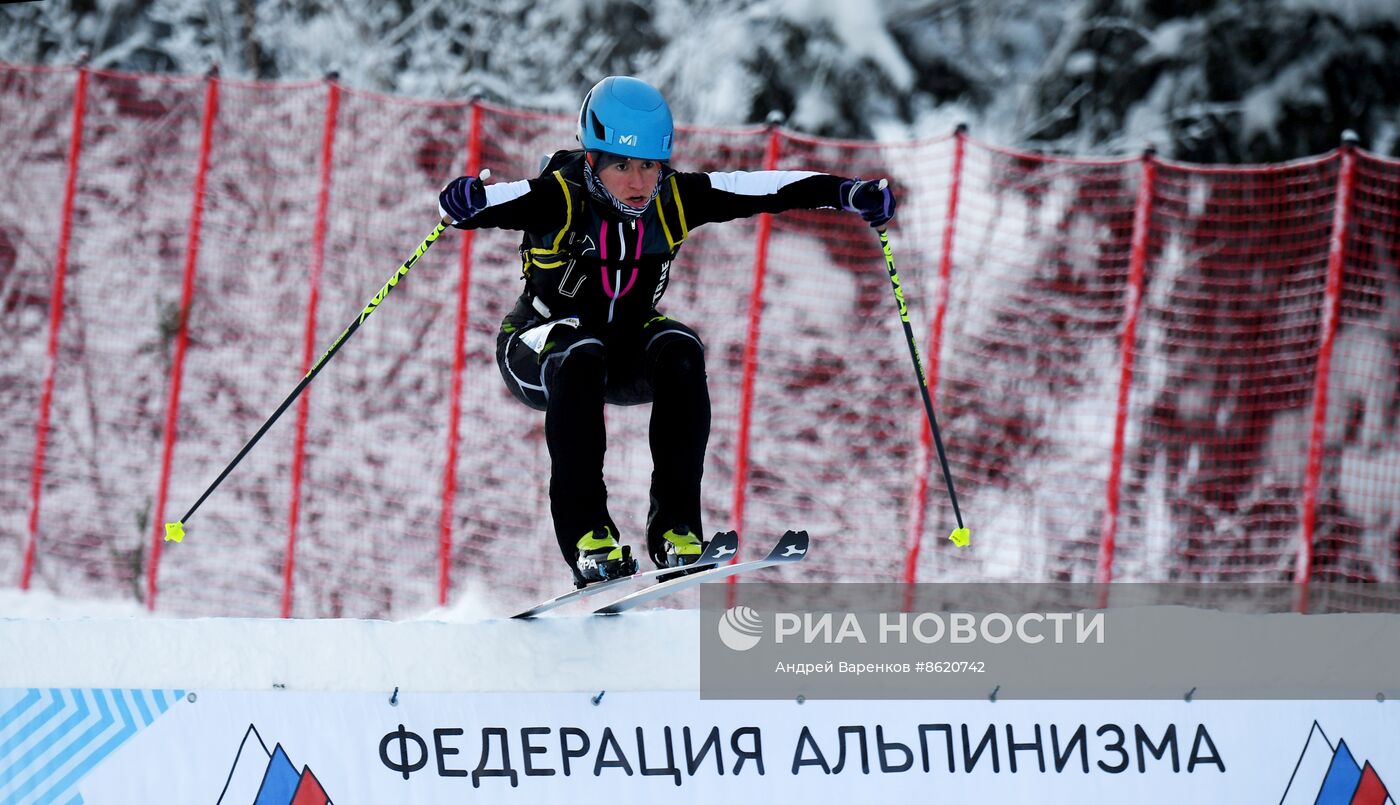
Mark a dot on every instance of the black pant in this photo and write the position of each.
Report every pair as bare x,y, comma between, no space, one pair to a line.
569,371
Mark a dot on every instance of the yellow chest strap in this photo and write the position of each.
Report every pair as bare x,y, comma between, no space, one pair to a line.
554,256
671,240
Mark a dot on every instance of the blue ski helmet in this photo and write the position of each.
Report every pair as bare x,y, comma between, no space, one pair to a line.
628,117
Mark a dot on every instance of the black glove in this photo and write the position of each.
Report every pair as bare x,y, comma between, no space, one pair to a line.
872,199
462,198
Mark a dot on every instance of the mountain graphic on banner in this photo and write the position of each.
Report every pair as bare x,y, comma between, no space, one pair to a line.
1329,774
262,777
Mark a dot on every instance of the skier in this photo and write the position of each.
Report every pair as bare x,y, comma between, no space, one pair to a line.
601,227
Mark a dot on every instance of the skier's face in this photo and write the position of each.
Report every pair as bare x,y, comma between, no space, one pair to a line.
631,180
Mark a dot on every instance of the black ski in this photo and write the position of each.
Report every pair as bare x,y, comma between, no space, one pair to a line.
721,548
791,548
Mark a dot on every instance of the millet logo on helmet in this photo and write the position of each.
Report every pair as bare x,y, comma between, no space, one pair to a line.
621,103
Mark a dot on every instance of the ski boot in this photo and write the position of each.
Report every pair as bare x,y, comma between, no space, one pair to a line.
678,548
600,558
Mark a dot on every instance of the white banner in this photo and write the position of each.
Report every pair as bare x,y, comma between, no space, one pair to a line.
123,747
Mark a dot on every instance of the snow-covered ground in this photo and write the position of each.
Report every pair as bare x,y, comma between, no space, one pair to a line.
68,644
75,643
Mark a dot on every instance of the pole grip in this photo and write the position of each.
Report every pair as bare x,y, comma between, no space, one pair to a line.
883,184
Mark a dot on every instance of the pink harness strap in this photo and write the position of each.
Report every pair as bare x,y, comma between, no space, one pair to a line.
603,253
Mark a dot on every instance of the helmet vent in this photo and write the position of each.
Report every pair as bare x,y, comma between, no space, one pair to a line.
599,130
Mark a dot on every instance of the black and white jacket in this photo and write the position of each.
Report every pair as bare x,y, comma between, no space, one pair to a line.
581,258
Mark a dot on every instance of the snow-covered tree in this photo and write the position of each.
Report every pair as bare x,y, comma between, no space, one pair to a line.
1207,80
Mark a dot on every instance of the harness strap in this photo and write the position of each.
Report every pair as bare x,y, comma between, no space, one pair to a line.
559,251
672,240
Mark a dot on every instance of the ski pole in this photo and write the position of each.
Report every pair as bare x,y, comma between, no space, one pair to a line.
176,531
961,535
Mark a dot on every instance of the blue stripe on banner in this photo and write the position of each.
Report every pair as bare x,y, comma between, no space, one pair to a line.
128,729
28,729
42,746
66,752
11,715
280,782
139,696
1343,776
9,772
62,748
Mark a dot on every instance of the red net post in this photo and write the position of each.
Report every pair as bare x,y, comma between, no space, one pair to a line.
56,303
500,507
923,463
36,127
177,365
1331,308
463,321
750,361
1132,300
309,346
1356,530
